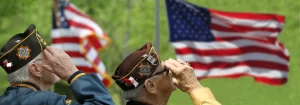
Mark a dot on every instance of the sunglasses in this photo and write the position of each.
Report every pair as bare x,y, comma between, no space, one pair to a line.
165,70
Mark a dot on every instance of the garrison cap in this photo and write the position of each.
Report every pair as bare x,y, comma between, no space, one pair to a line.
21,49
137,67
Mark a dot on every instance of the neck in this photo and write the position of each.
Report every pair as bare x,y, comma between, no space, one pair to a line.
158,99
43,86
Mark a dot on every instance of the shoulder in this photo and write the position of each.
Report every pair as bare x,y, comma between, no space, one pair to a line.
42,97
24,96
45,97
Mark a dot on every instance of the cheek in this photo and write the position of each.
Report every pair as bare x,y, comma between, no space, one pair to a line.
167,82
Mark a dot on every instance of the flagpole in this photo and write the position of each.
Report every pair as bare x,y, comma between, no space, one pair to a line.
157,31
125,47
55,11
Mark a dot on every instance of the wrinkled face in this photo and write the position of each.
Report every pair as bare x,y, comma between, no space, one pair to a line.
164,80
47,76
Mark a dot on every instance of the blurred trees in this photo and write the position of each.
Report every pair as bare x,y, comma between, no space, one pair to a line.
16,15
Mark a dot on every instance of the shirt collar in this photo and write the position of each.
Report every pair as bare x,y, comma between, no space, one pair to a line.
130,102
27,85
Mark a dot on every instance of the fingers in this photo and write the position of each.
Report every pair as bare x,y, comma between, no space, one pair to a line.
174,66
48,68
171,67
174,62
181,61
47,54
51,50
175,81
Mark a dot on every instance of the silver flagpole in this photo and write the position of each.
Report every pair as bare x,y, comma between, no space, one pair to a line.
157,36
125,47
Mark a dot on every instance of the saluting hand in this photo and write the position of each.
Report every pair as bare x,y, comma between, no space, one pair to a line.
60,63
183,75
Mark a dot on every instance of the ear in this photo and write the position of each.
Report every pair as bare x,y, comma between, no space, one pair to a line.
33,69
150,86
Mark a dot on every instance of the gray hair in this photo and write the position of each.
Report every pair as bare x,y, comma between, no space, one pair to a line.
133,94
22,74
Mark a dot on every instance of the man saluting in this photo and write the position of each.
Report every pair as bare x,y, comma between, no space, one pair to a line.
33,67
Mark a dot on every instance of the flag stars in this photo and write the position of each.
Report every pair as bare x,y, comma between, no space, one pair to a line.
180,16
176,12
173,7
174,17
179,31
188,22
196,27
62,19
187,31
175,26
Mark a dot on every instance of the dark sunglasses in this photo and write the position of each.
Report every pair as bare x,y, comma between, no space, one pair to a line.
165,70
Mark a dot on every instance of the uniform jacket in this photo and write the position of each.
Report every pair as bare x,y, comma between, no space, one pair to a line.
87,89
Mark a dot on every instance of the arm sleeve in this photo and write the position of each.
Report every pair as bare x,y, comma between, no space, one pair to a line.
203,96
87,89
90,89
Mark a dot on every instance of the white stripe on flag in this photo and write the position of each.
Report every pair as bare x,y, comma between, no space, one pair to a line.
67,46
259,72
82,20
222,45
225,21
232,59
80,61
101,66
245,34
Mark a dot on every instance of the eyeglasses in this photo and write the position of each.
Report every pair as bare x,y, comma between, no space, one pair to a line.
157,73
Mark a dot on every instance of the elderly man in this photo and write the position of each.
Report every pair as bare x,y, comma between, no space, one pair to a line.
146,80
33,68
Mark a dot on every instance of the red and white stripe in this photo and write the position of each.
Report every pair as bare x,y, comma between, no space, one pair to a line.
246,45
82,41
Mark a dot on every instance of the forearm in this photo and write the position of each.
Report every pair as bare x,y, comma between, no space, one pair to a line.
203,96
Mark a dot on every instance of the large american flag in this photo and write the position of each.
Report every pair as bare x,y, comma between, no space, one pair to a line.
228,44
80,37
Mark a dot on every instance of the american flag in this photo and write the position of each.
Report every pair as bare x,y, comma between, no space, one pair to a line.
228,44
80,37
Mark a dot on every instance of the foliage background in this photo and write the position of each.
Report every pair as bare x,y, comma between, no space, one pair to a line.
16,15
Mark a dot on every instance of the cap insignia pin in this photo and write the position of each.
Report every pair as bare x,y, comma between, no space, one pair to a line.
144,70
23,52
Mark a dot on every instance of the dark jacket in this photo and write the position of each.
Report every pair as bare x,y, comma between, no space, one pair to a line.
87,89
135,103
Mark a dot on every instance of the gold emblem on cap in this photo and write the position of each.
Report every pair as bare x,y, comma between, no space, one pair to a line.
41,40
144,70
23,52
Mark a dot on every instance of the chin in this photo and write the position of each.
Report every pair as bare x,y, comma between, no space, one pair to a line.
57,80
173,88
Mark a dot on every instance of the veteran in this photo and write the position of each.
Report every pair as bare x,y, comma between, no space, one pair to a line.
146,80
33,68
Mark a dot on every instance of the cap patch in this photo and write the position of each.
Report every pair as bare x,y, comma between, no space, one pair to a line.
134,82
41,40
145,55
17,41
144,70
8,65
151,59
23,52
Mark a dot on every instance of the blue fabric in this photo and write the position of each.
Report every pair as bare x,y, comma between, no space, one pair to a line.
87,89
188,22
